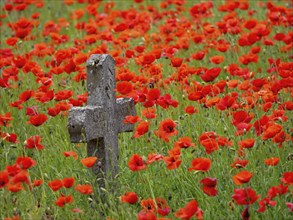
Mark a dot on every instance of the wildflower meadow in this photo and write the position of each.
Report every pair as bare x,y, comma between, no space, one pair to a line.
212,84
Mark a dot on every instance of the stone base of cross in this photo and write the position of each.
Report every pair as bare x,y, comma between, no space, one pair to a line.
99,123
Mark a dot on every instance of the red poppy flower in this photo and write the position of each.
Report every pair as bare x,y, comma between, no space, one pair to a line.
188,211
9,137
90,39
21,177
223,141
4,119
25,162
273,161
184,142
34,142
238,163
166,129
152,157
289,205
4,178
153,94
226,102
54,111
210,145
63,95
146,215
194,96
38,182
64,106
13,169
242,128
242,177
84,189
232,83
241,117
139,48
277,190
162,208
165,101
264,203
209,186
249,24
71,154
15,187
62,200
174,152
287,178
129,53
245,196
176,62
7,7
288,105
190,110
55,184
131,119
217,59
209,28
11,41
129,197
266,107
44,96
124,87
247,143
280,138
68,182
260,125
173,162
198,38
26,95
141,129
222,45
149,113
245,214
211,74
200,164
148,204
271,131
80,76
37,120
136,163
70,66
89,161
198,56
22,32
120,27
19,62
147,59
31,111
77,210
75,102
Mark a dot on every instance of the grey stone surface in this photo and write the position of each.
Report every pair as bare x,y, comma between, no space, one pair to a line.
99,123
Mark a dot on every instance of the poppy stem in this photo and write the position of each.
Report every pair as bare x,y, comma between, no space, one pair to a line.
151,189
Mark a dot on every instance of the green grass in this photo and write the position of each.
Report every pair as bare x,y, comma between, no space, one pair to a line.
177,186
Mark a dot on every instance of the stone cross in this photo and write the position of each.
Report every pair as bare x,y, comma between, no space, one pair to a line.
99,123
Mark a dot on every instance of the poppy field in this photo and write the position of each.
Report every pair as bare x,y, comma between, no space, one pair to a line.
212,83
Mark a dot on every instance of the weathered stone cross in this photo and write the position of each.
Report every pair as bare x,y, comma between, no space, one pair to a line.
99,123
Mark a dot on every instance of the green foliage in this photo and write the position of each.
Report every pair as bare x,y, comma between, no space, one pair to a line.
176,186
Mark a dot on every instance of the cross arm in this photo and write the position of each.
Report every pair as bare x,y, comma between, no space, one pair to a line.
86,123
124,107
75,125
